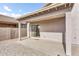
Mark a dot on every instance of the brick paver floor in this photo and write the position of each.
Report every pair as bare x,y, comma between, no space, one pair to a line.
31,47
14,48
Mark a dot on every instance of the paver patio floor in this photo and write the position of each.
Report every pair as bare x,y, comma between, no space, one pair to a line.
30,47
11,48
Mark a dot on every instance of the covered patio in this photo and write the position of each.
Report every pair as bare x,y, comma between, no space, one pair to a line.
53,24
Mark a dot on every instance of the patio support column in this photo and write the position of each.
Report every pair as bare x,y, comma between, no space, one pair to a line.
68,33
28,30
19,31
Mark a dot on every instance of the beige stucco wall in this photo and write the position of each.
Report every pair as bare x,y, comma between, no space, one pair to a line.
75,24
53,25
52,29
72,31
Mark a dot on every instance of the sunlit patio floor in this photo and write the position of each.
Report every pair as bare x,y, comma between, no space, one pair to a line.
31,47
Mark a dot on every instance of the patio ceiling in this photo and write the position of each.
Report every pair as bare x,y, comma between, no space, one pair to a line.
54,7
45,18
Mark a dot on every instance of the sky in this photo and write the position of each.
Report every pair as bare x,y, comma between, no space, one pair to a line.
18,9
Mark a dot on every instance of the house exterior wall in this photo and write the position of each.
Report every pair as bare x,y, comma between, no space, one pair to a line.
68,34
72,30
6,21
52,29
75,24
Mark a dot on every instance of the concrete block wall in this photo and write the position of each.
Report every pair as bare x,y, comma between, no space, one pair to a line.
4,34
14,33
23,32
11,33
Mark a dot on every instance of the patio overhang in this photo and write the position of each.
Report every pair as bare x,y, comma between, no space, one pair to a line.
52,8
43,18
